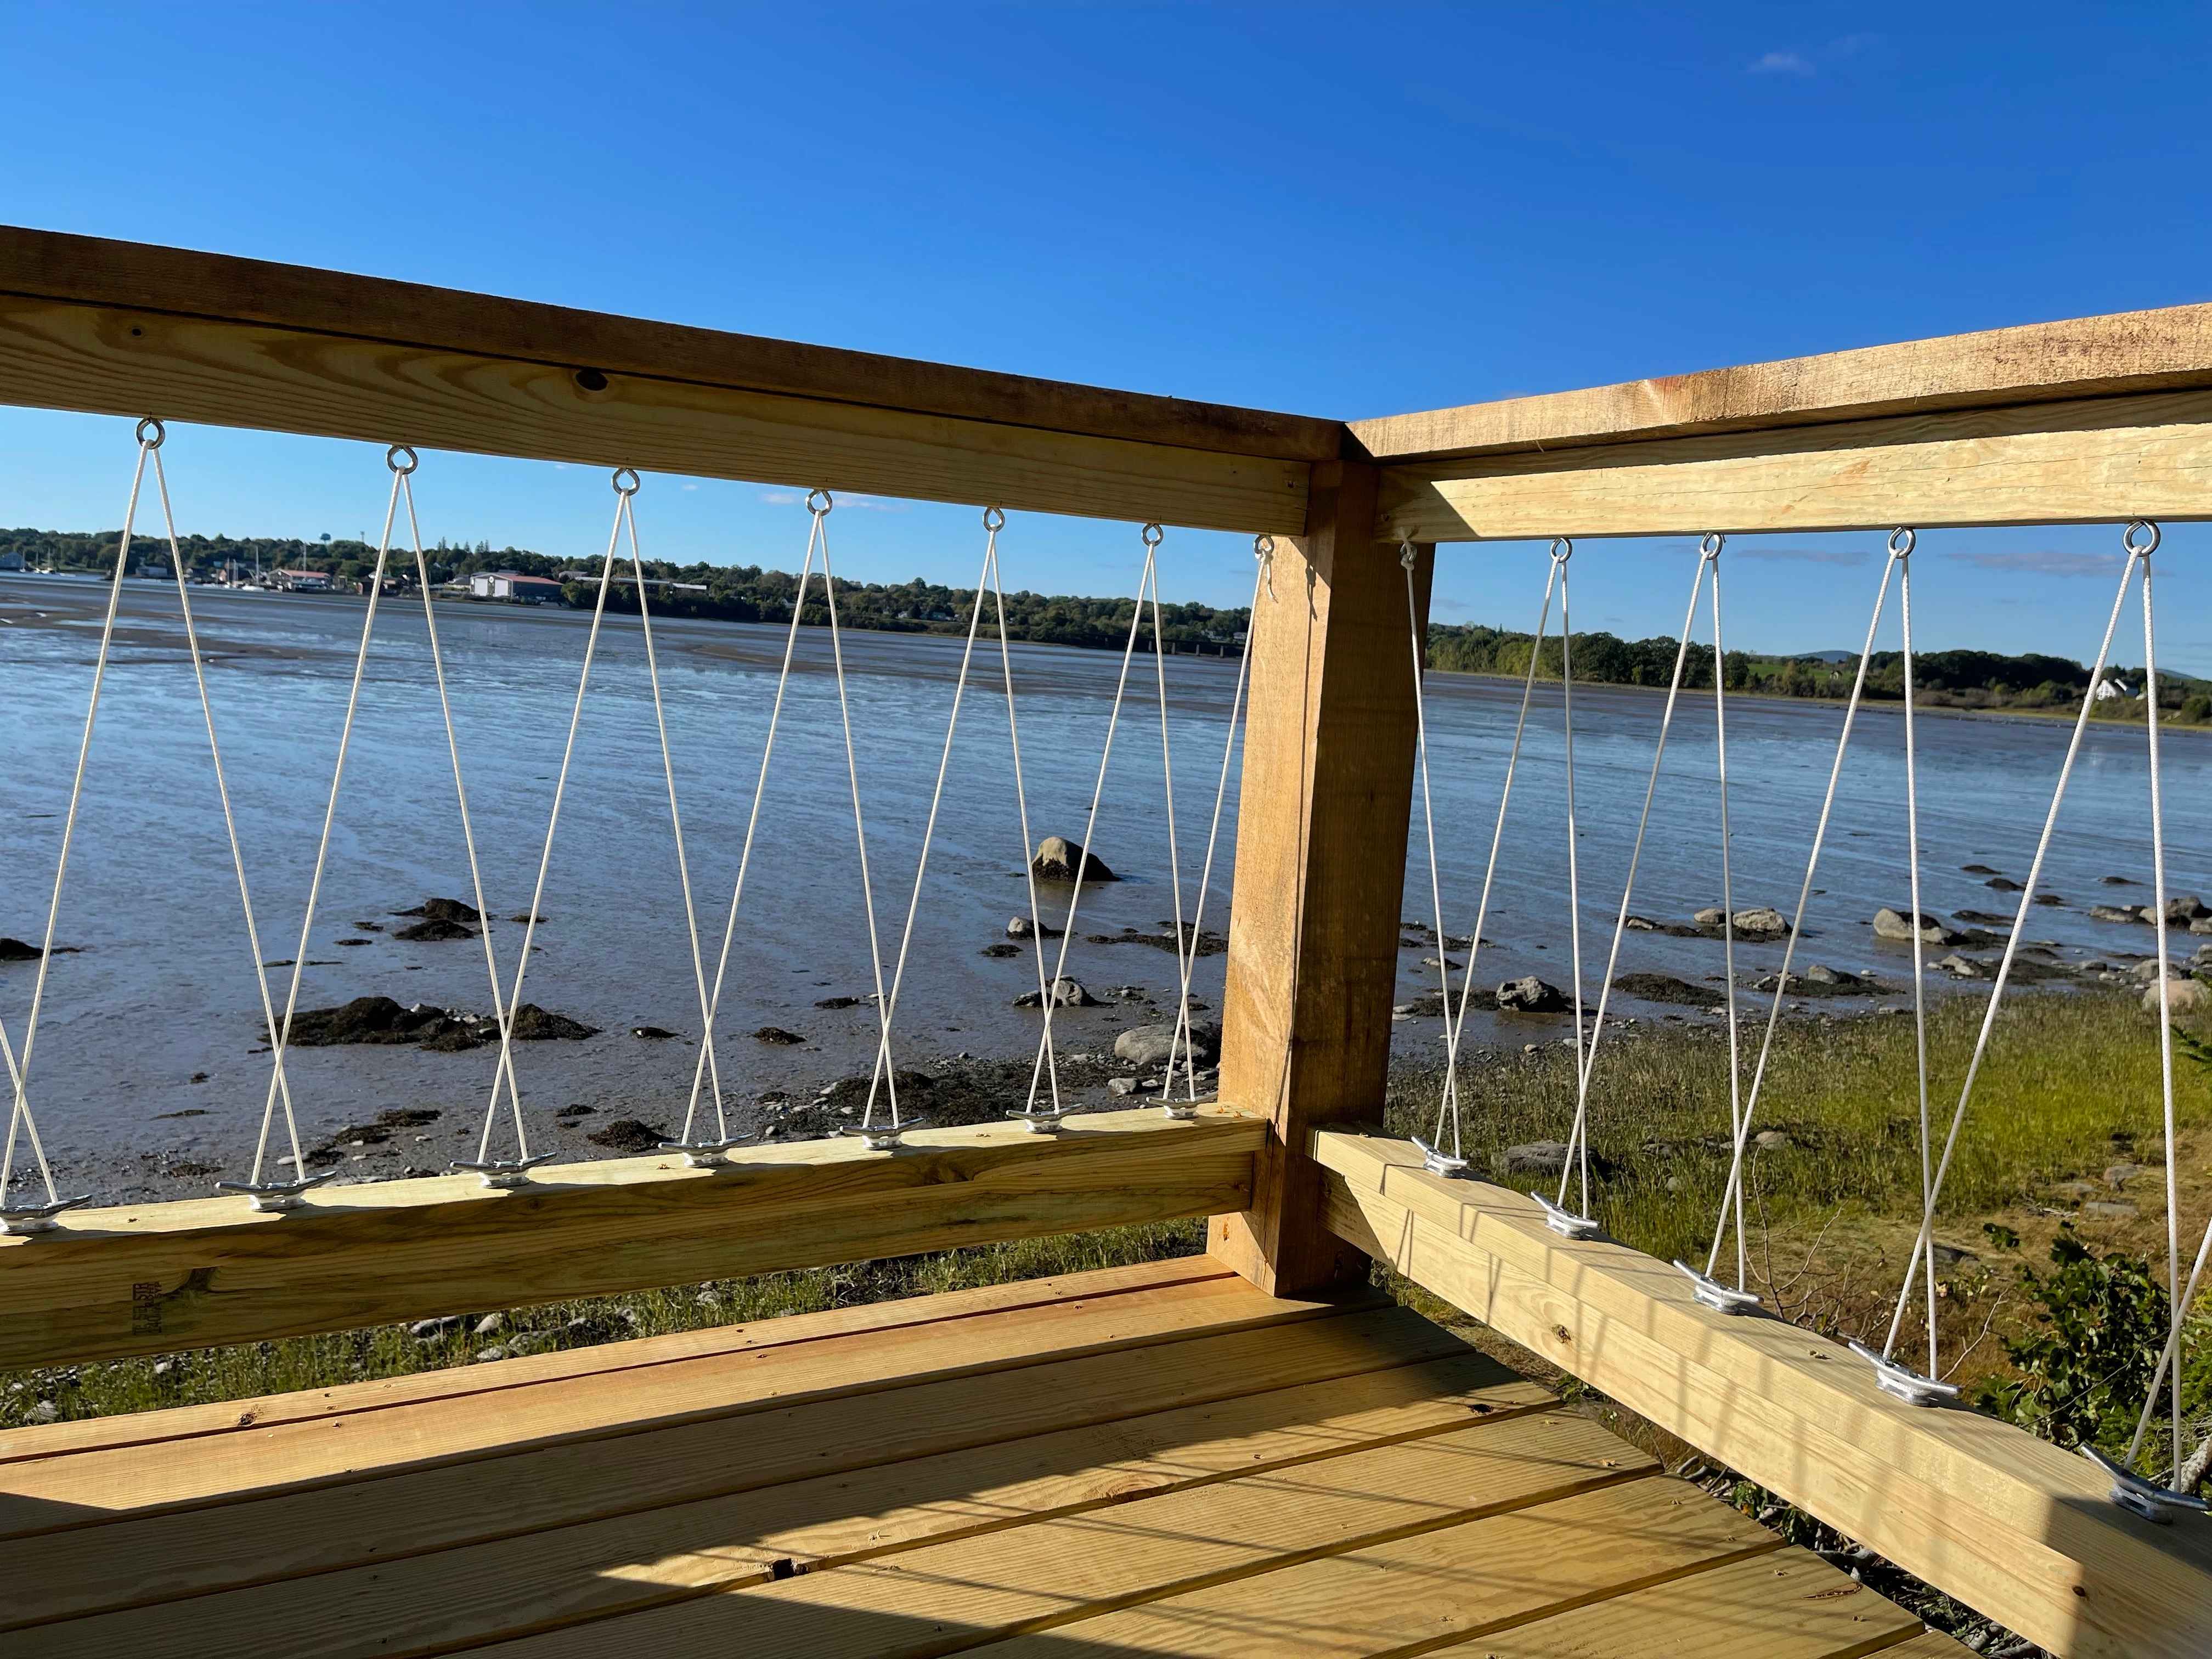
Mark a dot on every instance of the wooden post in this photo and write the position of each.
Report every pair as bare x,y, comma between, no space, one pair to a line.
1321,860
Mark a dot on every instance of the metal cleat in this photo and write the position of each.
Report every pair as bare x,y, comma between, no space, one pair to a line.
1437,1161
37,1217
276,1195
1042,1119
881,1136
2147,1499
1714,1294
501,1172
1566,1222
706,1154
1182,1110
1904,1382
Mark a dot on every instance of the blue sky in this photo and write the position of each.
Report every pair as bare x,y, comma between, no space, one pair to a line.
1342,211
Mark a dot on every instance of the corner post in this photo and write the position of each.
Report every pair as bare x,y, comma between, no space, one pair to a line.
1321,868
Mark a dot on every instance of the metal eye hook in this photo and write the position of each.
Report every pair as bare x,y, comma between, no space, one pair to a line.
392,460
819,501
995,519
1712,542
1263,548
1563,548
630,489
2145,550
151,433
1408,554
1902,541
1154,535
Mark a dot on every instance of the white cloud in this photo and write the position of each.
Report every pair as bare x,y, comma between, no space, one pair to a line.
1782,63
2045,561
691,486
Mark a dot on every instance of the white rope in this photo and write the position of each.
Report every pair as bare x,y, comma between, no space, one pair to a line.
1022,809
1920,1243
504,1072
20,1119
1152,536
1919,967
1731,1194
1263,551
626,515
280,1038
221,784
859,829
1728,886
1562,550
929,829
406,481
1186,944
2177,1307
1448,1106
1409,560
745,856
1578,1138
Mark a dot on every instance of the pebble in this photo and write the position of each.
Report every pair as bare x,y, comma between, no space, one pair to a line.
490,1325
2119,1175
485,1356
44,1411
2110,1209
1120,1085
430,1330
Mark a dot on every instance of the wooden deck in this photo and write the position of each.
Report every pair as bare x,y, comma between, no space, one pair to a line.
1160,1460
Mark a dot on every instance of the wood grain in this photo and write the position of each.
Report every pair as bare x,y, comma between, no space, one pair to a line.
2125,353
180,282
155,1277
2092,461
542,1580
109,360
2007,1523
1321,848
1439,1589
941,1598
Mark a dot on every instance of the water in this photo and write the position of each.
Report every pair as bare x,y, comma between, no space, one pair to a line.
161,987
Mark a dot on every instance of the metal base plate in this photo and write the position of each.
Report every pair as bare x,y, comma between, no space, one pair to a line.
501,1172
2154,1503
276,1195
881,1136
1567,1222
706,1154
1043,1120
1904,1382
1437,1161
37,1217
1714,1294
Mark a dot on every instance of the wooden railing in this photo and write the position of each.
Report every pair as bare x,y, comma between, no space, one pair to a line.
2100,419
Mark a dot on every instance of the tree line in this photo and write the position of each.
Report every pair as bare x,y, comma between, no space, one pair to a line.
750,593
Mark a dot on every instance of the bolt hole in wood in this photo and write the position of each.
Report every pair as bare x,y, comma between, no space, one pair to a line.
590,379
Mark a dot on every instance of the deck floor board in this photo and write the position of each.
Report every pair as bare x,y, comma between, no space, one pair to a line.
1151,1462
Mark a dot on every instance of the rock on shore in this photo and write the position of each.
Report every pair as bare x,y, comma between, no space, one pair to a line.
381,1020
1531,995
1895,925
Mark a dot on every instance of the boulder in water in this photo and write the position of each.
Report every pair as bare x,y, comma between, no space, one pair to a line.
1893,925
1065,993
433,931
1530,995
1148,1045
1761,921
1058,858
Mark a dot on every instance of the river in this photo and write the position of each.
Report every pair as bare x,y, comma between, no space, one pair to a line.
160,991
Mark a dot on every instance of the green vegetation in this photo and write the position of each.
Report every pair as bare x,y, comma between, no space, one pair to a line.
2070,1086
724,593
1942,679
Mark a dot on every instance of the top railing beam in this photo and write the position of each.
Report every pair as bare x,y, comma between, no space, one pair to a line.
2127,352
127,329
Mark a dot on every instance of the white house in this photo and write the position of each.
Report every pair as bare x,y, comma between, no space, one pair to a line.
2113,690
513,586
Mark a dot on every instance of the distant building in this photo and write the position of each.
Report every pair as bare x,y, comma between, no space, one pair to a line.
10,560
513,586
2112,689
301,581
